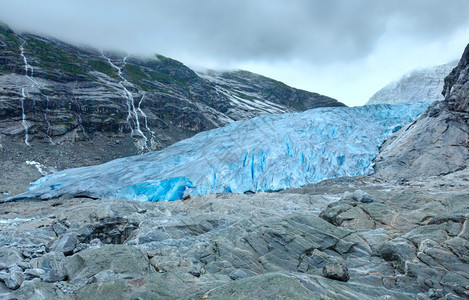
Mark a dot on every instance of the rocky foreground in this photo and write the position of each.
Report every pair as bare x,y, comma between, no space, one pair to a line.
342,239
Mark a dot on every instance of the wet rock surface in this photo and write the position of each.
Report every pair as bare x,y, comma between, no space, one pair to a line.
409,242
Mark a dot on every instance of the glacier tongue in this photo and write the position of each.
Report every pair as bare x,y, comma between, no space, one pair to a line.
267,153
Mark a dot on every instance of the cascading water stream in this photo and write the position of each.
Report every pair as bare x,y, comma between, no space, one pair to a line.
35,83
145,118
46,118
132,115
23,116
81,126
77,115
27,66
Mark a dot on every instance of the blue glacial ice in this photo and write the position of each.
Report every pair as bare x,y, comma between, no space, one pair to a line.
267,153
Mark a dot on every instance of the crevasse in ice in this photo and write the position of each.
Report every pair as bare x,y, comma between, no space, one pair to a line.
267,153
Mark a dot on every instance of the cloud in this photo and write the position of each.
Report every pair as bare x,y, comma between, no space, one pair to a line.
232,33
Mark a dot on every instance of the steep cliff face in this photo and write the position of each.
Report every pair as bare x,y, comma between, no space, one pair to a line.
51,91
437,142
420,85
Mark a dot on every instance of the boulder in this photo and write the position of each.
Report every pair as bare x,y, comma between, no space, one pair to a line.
398,250
238,274
15,278
9,256
65,243
53,265
34,273
336,271
127,261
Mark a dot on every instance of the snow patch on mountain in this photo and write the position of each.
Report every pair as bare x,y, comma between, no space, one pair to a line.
421,85
245,102
267,153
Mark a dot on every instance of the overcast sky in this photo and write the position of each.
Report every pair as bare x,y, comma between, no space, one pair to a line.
346,49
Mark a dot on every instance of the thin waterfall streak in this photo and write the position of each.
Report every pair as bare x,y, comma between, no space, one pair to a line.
23,116
145,118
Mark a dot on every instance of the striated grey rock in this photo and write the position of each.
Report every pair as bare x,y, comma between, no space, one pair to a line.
357,195
9,256
8,296
437,142
34,273
268,286
37,290
23,265
3,275
399,251
419,85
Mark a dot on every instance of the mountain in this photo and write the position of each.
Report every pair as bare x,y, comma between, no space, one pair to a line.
420,85
63,106
51,91
266,153
437,142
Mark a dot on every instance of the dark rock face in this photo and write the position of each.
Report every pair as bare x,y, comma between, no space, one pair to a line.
456,88
436,143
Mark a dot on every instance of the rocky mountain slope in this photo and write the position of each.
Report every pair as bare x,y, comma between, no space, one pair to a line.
419,85
63,106
52,91
437,142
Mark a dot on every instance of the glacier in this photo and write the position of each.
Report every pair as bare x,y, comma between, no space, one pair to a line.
266,153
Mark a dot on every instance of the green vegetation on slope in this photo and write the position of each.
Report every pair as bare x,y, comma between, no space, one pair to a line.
53,58
103,67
